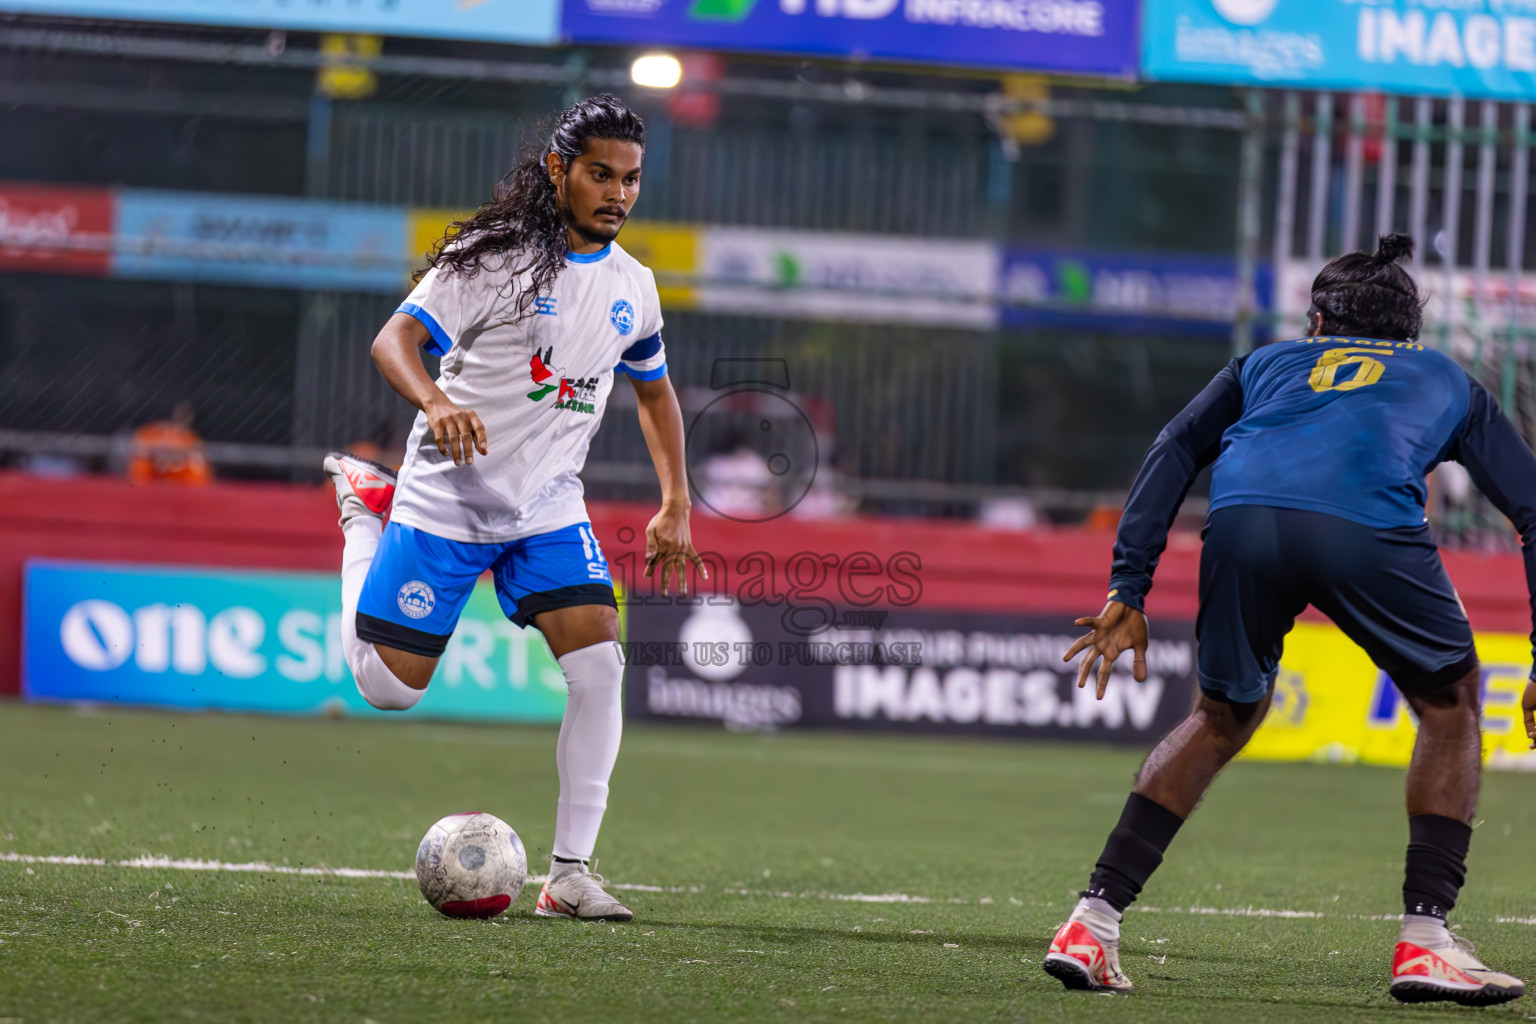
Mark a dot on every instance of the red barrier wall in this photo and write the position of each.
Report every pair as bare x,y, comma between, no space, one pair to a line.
947,564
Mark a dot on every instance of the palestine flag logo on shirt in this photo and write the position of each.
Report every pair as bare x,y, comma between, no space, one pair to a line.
575,395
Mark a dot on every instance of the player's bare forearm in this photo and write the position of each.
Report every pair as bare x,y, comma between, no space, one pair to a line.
661,421
668,538
397,354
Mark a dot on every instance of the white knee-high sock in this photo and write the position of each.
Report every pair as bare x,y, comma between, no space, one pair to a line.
375,681
588,746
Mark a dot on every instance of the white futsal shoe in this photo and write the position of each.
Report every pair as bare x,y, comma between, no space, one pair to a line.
574,891
363,487
1431,964
1085,954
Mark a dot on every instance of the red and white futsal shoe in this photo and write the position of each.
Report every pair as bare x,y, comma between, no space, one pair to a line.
363,487
1430,964
573,890
1085,954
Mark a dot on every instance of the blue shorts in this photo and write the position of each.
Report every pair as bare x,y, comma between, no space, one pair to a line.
1386,589
418,582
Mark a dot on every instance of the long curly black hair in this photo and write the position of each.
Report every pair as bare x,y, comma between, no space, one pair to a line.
1370,296
522,230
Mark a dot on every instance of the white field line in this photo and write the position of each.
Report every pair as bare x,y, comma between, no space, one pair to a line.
262,867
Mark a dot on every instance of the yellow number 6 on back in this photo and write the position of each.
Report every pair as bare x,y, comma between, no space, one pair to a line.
1325,373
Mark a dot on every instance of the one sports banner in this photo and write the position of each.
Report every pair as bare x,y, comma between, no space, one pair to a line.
503,21
1332,704
1095,37
254,641
1482,48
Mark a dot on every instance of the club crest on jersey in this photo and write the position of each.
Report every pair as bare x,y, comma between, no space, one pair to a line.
572,394
416,599
622,316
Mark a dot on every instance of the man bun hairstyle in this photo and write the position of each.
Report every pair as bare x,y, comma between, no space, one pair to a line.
522,229
1370,295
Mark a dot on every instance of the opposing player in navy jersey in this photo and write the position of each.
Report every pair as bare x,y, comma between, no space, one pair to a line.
534,309
1320,449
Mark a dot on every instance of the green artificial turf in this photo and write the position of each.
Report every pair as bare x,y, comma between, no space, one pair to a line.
756,830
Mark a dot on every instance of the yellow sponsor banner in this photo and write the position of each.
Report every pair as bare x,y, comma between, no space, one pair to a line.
672,253
1332,704
670,250
425,228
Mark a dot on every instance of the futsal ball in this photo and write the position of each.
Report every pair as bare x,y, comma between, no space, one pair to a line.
471,865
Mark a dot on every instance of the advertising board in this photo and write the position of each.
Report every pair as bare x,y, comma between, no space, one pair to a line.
503,21
44,229
1096,37
253,641
750,666
1128,292
257,240
1332,704
1480,48
881,278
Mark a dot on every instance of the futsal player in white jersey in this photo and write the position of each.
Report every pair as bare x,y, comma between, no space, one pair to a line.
534,309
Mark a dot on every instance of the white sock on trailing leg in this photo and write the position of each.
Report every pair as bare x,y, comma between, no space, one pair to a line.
378,685
588,746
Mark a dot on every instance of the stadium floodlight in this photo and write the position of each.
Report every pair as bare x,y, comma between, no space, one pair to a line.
656,70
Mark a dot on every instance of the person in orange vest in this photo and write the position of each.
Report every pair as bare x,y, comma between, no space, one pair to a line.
169,450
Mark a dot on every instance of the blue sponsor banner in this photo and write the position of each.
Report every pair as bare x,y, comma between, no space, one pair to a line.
256,240
254,641
1484,48
1141,293
1095,37
505,21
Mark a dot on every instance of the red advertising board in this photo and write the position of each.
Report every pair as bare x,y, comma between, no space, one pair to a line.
55,230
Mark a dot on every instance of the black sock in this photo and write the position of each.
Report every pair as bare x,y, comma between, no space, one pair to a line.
1133,851
1436,865
567,860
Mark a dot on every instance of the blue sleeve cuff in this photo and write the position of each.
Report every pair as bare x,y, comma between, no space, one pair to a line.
656,374
643,349
441,343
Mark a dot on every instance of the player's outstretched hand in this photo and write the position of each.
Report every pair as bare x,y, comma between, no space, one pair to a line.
1118,628
669,544
1528,705
458,432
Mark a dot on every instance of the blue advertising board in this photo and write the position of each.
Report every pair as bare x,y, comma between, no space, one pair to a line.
503,21
1095,37
1129,292
1480,48
257,240
254,641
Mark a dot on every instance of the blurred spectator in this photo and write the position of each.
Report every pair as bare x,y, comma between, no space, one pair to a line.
170,451
1014,512
1105,518
738,483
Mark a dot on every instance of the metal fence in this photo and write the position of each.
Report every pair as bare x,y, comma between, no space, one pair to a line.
1453,173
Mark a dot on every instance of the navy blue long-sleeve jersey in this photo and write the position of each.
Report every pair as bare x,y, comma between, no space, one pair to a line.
1346,426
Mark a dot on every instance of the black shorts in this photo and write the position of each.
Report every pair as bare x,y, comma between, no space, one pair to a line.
1386,589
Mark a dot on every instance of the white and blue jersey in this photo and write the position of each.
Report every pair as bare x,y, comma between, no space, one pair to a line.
539,386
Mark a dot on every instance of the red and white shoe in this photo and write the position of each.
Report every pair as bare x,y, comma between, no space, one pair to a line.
363,487
1085,954
1430,964
573,890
